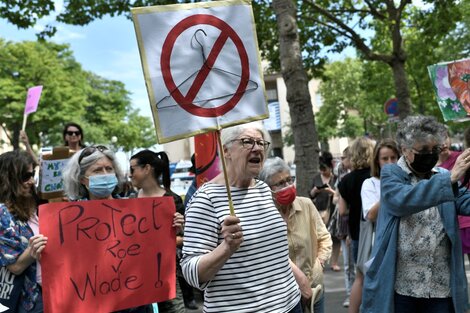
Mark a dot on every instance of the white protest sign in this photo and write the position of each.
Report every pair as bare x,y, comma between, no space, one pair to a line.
201,65
51,175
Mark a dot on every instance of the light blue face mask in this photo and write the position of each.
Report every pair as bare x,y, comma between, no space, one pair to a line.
101,186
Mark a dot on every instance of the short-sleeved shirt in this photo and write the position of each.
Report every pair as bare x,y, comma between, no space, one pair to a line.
14,237
350,190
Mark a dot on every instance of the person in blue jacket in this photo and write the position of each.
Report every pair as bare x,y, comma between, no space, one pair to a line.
417,262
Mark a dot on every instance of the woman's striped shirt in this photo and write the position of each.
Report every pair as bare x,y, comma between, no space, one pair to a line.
257,277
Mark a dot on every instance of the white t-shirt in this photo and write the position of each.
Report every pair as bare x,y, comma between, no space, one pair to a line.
370,194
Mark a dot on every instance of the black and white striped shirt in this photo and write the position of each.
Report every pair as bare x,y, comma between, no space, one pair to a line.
257,277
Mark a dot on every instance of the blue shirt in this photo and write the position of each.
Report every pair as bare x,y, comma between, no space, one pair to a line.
14,238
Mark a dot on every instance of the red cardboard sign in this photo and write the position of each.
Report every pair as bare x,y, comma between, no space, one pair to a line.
107,255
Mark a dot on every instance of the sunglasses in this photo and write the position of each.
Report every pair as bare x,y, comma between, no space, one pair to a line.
132,168
27,176
89,151
71,133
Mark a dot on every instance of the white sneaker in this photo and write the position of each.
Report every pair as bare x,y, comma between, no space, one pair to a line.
346,302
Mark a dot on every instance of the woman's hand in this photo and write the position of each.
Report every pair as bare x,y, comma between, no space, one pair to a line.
24,137
462,164
232,232
178,222
314,191
36,245
302,281
330,190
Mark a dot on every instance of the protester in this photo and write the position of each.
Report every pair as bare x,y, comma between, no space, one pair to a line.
447,157
242,261
187,289
464,221
94,174
20,248
322,195
25,140
342,232
360,152
385,152
148,171
309,241
73,136
417,263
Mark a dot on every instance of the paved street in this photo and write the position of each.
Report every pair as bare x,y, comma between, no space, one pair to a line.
334,297
335,292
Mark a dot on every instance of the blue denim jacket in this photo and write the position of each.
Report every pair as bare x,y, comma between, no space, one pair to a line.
400,198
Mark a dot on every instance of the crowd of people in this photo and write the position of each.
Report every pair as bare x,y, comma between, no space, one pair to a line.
394,208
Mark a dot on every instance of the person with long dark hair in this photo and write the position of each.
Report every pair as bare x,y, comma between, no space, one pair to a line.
73,136
150,173
20,248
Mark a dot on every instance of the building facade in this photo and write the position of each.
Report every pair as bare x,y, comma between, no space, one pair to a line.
278,123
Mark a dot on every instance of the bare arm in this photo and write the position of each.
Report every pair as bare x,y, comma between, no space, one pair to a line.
373,212
343,206
302,281
30,254
25,140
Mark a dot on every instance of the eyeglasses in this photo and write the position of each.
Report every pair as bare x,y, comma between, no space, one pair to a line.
132,168
71,133
285,182
27,176
89,151
249,143
434,150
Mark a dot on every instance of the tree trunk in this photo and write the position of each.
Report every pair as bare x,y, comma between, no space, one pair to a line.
401,87
298,96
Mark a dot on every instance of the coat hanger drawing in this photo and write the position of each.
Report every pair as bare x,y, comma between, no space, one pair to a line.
228,75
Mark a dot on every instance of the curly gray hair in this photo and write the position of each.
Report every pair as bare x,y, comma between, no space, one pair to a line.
271,167
77,165
420,128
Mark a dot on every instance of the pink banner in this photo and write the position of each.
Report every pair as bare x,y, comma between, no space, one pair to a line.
32,100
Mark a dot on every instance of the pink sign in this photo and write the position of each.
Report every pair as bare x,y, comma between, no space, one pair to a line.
32,100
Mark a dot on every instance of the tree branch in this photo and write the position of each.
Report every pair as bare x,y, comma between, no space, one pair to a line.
374,11
352,34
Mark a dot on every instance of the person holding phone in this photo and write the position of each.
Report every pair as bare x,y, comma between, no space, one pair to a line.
322,195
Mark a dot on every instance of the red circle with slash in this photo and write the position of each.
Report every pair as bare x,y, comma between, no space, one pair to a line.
227,32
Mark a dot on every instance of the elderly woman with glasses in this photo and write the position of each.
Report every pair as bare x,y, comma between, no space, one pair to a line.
94,174
20,243
241,262
309,240
417,263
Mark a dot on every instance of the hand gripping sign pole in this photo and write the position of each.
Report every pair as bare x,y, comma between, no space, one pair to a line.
32,100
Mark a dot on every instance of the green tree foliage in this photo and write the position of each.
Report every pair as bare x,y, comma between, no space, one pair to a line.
354,93
25,13
101,106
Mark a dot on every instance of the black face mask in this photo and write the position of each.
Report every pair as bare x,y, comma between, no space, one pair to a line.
424,163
